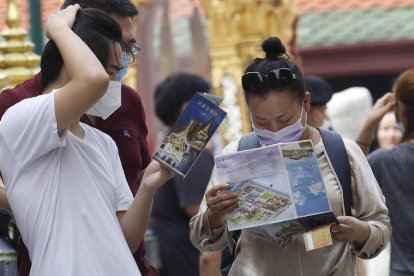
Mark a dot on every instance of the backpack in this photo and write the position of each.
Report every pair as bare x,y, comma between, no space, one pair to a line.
335,147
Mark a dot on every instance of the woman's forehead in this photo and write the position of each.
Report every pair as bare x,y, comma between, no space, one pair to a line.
274,98
275,104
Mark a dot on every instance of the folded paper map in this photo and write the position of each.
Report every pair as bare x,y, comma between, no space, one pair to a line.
280,190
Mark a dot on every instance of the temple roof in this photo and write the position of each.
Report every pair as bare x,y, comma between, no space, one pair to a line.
306,6
327,23
322,22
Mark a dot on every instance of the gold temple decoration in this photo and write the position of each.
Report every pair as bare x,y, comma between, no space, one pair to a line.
4,81
17,61
236,30
142,2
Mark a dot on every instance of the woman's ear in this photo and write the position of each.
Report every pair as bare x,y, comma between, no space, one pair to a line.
307,101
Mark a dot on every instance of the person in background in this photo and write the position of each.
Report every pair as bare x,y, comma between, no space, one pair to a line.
126,126
321,92
179,199
393,168
63,178
348,110
380,129
278,103
388,134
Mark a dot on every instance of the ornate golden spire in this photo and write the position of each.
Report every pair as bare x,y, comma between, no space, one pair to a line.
12,19
206,128
17,61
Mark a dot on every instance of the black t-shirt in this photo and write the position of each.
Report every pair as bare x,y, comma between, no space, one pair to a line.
170,222
394,172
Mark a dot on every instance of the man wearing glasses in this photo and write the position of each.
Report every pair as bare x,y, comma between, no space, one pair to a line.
126,125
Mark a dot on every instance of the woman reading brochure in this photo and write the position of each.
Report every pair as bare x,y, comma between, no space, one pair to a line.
279,105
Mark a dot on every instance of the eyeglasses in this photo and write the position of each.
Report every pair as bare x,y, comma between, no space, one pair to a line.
275,79
130,53
134,48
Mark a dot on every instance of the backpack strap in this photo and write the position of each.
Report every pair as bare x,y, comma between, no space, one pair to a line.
335,148
248,141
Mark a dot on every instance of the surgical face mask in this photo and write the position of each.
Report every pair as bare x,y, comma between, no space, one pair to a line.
110,102
125,63
400,126
287,134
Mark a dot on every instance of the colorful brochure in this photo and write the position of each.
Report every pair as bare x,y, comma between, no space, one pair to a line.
280,190
189,135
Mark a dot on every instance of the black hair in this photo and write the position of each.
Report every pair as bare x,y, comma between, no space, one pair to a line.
171,93
96,28
122,8
321,91
276,58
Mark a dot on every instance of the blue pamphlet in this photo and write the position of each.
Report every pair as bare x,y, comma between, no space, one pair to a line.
189,135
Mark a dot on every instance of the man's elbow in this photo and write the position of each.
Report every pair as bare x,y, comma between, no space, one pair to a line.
96,81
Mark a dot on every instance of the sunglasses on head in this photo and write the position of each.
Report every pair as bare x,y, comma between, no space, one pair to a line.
275,79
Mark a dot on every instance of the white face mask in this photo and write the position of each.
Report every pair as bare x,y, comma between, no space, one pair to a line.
109,102
287,134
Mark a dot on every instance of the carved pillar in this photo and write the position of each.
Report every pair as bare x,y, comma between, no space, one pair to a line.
201,51
167,53
236,30
146,73
226,65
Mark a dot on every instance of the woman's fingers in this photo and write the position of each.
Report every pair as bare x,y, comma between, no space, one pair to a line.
65,17
222,205
350,229
215,189
231,207
220,196
220,200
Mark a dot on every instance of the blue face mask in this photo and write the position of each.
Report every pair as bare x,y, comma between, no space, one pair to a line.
400,126
124,69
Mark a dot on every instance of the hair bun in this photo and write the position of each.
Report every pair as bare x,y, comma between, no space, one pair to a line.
273,47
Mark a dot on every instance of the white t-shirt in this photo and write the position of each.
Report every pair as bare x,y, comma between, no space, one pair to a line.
64,193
